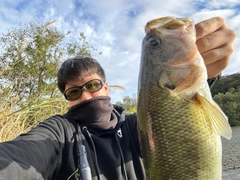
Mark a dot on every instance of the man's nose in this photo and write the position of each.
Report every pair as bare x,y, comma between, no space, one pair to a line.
85,95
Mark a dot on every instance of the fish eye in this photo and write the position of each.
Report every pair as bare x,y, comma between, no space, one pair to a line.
153,42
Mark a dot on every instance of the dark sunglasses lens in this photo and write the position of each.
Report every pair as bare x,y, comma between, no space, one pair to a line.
93,85
73,93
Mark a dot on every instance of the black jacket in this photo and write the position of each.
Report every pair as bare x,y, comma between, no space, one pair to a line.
49,151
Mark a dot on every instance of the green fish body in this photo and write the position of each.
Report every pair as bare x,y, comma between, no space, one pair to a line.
179,124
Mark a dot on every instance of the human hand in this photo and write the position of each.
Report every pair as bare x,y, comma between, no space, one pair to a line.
215,43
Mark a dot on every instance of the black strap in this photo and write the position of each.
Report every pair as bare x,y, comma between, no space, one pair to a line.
212,81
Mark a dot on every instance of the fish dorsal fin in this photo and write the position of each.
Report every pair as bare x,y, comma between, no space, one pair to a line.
218,120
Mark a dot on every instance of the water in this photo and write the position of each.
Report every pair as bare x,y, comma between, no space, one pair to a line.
231,156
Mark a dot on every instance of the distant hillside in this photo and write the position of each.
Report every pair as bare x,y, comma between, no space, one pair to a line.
225,83
226,92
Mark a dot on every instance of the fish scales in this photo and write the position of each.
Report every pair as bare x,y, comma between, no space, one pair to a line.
177,133
183,146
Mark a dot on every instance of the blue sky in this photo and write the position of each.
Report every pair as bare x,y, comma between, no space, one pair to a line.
116,27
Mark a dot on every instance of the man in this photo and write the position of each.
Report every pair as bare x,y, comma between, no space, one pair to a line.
95,139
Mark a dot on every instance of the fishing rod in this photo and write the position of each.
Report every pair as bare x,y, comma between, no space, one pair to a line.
84,170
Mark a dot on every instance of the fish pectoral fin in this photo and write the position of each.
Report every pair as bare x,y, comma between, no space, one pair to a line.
217,119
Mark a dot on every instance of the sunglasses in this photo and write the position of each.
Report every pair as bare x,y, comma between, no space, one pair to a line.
92,86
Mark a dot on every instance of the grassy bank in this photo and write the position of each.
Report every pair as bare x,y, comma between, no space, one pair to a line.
15,121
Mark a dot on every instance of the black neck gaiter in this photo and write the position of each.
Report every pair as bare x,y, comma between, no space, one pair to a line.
96,112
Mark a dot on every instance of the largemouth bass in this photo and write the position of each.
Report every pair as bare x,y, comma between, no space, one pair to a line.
179,124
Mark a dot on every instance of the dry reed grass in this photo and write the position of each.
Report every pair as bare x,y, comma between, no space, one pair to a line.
15,122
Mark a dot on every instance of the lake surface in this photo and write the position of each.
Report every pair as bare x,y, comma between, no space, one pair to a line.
231,156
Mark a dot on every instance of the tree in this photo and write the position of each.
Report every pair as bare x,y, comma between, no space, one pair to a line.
230,104
130,104
225,83
29,59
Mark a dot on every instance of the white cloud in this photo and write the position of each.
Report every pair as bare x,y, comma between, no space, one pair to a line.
216,4
206,14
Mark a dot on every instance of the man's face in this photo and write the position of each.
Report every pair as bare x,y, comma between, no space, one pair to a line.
86,95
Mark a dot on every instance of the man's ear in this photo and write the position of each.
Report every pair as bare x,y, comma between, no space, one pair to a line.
105,86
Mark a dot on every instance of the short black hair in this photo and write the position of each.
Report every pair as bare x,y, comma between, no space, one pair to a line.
73,68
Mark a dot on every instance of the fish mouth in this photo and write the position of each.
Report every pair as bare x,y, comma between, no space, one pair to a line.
169,23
